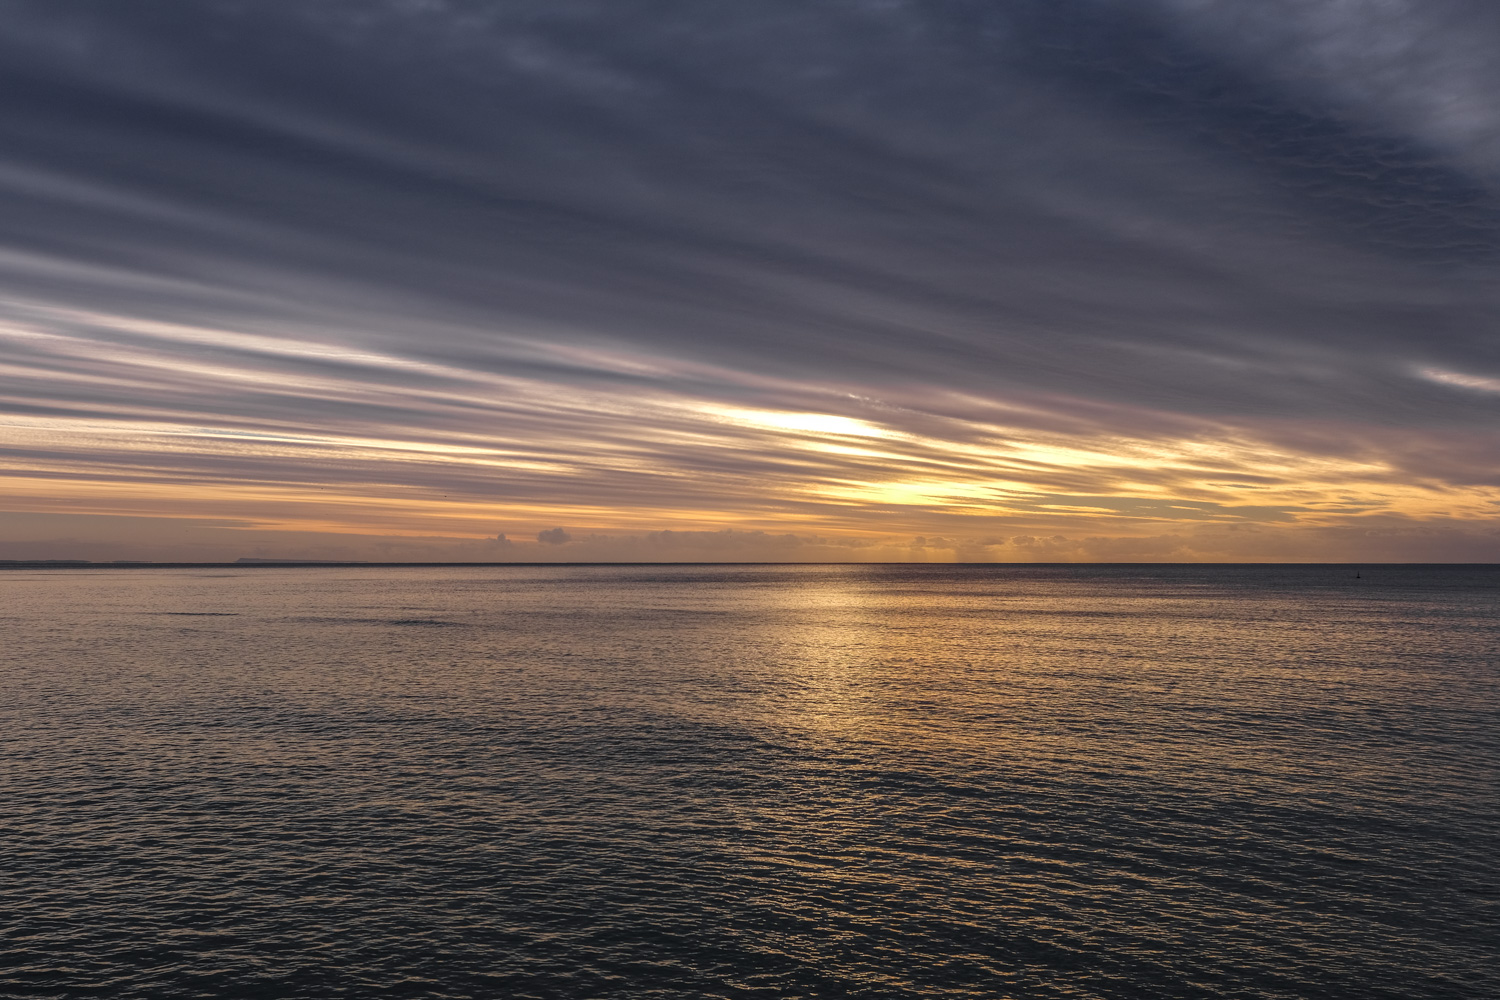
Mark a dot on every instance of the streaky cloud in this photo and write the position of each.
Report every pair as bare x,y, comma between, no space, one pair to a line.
1076,269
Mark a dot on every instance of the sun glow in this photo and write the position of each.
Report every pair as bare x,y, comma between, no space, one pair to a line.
454,452
803,423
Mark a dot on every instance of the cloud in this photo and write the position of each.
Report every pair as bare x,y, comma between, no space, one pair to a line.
961,270
1422,67
554,536
1380,538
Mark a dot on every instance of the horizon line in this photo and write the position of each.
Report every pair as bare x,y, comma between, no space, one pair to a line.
249,563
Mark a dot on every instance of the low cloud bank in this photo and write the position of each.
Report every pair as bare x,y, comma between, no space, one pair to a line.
1380,539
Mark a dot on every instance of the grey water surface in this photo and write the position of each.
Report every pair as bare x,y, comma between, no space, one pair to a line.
751,781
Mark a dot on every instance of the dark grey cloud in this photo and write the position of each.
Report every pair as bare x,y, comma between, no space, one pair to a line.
523,225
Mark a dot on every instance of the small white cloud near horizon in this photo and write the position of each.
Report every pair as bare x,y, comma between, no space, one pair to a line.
1479,382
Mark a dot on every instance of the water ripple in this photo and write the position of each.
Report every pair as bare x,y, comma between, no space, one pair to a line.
811,782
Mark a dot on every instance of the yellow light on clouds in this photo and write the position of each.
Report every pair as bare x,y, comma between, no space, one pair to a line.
804,423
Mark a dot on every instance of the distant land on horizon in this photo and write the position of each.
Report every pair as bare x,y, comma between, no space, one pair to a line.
249,562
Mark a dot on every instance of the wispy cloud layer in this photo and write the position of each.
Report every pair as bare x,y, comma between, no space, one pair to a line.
1063,279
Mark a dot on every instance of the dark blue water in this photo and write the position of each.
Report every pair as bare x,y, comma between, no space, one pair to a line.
1104,782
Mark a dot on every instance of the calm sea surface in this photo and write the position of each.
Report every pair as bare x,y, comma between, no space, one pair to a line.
1110,782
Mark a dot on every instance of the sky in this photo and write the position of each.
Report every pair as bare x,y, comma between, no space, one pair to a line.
803,280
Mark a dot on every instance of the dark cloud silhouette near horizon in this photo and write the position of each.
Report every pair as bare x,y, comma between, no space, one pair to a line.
1091,270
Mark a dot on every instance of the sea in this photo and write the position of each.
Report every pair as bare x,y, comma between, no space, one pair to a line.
980,781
